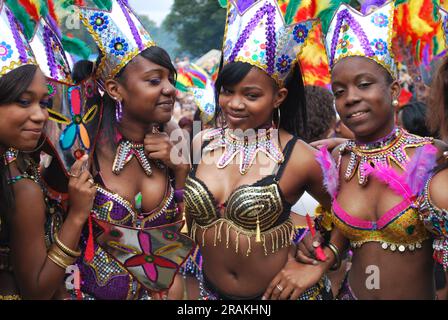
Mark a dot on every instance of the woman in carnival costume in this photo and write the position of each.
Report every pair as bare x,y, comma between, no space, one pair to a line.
378,176
239,193
133,248
36,241
433,204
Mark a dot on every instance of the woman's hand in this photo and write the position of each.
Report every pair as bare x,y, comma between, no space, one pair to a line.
158,146
305,249
81,191
293,280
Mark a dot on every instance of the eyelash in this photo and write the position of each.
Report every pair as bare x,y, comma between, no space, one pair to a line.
154,82
364,84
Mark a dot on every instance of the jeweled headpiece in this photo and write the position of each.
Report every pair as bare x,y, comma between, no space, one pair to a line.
353,34
47,48
205,100
119,35
444,19
14,49
256,33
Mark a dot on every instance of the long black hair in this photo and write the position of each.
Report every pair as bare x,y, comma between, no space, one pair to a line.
84,69
12,86
292,110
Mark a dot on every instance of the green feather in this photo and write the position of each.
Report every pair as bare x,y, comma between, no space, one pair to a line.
43,8
398,2
291,10
223,3
435,46
103,4
327,14
76,47
28,25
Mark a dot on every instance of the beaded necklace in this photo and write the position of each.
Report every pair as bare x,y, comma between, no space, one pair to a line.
384,151
246,146
126,150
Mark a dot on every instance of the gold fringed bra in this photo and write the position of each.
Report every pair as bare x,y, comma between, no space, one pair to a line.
256,211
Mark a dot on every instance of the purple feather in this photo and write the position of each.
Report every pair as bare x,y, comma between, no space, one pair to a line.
420,167
369,5
390,177
329,171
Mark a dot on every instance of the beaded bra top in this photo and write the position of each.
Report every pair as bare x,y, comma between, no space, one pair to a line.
436,221
260,204
104,277
398,229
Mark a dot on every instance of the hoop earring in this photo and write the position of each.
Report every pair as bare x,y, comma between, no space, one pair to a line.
118,111
278,119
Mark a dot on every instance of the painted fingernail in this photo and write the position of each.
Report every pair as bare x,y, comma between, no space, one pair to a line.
315,262
263,298
316,244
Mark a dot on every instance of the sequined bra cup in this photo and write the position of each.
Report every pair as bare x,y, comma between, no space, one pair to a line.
399,229
104,277
262,200
436,221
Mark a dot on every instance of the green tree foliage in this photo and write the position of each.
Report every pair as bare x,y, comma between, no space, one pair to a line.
198,25
164,39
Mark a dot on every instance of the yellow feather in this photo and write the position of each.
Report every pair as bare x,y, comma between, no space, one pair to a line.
419,26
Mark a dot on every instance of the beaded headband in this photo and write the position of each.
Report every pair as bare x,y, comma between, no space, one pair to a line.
14,49
256,33
119,35
353,34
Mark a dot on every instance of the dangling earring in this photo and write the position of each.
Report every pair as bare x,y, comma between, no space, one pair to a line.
118,111
395,103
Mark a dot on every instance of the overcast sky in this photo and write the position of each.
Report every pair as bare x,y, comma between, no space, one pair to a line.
156,10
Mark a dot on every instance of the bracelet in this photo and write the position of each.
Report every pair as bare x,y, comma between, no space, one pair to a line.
335,251
179,195
59,257
65,249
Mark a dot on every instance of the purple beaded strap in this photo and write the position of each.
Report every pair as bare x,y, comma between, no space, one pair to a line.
49,51
131,24
271,39
19,44
345,15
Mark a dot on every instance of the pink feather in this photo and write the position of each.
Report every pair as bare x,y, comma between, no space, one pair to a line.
420,167
390,177
329,171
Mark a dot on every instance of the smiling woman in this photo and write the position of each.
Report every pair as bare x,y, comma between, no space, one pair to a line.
139,184
28,213
374,201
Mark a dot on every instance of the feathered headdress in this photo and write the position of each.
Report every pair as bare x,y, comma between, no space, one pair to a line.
353,34
416,27
14,49
256,33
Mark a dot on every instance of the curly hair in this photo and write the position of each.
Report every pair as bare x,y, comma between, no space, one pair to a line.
321,114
